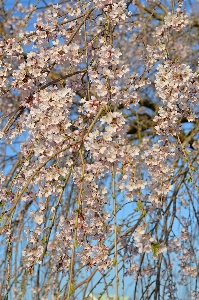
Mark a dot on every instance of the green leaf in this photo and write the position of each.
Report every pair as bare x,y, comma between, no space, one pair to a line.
114,261
139,205
155,248
72,289
189,179
144,212
44,240
75,244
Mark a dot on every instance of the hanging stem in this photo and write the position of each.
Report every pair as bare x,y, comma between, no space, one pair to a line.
115,231
70,283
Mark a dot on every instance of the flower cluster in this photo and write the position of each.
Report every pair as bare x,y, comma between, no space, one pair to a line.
177,86
176,21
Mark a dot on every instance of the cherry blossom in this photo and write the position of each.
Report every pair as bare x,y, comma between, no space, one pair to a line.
99,143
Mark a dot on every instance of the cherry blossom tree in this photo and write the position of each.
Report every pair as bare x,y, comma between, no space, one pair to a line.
99,149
